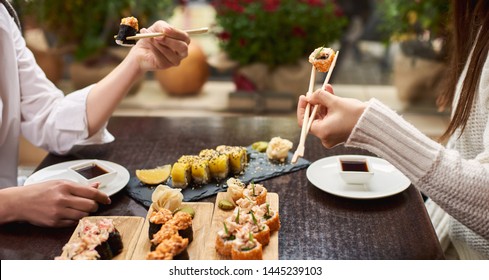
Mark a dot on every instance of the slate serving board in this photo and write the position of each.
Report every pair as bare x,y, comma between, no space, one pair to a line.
259,169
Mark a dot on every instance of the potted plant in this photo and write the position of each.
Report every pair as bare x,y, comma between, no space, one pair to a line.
421,28
264,37
86,28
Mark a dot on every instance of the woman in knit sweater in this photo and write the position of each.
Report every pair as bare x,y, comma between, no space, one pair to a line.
455,177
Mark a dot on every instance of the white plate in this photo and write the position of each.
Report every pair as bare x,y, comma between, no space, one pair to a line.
60,171
386,181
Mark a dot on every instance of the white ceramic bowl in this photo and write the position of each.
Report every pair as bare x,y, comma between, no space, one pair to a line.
93,171
355,170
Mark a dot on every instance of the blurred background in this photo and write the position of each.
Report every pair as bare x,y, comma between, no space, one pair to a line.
254,59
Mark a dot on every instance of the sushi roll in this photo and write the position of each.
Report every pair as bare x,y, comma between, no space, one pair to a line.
157,219
256,192
235,189
238,157
165,232
73,250
174,247
246,247
322,58
267,216
219,166
278,149
261,232
114,240
225,238
183,222
95,239
200,171
246,204
181,174
129,27
208,153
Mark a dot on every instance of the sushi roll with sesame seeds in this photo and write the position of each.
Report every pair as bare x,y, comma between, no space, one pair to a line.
181,174
200,171
128,27
219,167
238,157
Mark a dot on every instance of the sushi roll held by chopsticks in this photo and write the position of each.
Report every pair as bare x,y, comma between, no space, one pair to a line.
322,58
129,27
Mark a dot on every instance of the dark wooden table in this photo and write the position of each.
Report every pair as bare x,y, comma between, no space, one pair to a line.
315,224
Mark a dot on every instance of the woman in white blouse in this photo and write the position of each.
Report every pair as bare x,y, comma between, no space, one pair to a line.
32,106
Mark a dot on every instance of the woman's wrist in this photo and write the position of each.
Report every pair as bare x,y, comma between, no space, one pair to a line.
10,201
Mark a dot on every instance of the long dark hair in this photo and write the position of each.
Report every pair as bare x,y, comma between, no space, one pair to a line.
470,21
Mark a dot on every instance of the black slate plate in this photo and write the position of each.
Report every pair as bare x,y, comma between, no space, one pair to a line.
259,169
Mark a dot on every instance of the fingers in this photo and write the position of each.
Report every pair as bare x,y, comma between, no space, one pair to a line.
89,193
321,97
164,27
301,108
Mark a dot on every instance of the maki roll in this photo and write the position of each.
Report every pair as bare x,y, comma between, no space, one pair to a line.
166,232
174,247
200,171
278,149
114,240
129,27
76,250
225,238
246,247
219,166
238,157
256,192
267,216
95,239
246,204
181,174
183,222
157,219
322,58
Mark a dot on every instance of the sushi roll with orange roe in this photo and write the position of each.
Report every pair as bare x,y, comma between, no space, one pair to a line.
183,222
322,58
171,248
157,219
165,232
129,27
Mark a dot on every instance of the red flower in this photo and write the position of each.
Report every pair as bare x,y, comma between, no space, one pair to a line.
224,36
298,31
271,5
318,3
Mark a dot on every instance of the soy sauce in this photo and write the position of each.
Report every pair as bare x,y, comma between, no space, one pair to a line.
354,165
91,171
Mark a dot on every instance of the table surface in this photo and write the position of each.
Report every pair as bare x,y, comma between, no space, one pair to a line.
315,224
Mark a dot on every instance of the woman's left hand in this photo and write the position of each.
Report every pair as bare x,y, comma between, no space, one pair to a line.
161,52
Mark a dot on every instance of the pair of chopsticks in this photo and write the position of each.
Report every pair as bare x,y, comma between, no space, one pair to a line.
308,116
159,34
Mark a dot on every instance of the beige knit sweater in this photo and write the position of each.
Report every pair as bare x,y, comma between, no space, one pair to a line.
455,177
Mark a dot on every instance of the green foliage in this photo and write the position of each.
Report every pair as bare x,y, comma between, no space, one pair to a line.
90,25
276,32
401,18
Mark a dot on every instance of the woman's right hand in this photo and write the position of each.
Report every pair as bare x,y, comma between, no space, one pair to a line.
57,203
335,118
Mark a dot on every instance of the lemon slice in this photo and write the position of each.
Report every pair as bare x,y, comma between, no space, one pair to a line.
154,176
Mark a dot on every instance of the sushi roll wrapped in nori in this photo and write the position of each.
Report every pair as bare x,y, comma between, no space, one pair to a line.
246,247
129,27
183,222
238,157
174,247
114,240
165,232
157,219
200,171
181,174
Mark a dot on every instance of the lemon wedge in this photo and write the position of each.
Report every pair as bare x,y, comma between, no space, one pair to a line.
154,176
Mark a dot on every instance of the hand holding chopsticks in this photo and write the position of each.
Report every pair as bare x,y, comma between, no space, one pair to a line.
158,34
309,117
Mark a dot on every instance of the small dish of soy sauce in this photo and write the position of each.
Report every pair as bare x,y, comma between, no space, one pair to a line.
355,170
93,171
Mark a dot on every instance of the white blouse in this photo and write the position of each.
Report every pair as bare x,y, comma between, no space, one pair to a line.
32,106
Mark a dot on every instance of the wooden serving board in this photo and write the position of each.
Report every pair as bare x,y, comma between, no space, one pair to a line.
270,252
129,228
200,225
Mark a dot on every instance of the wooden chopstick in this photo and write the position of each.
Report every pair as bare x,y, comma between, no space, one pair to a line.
307,122
299,152
326,81
138,36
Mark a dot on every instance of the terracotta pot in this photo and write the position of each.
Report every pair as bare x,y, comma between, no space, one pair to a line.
189,77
